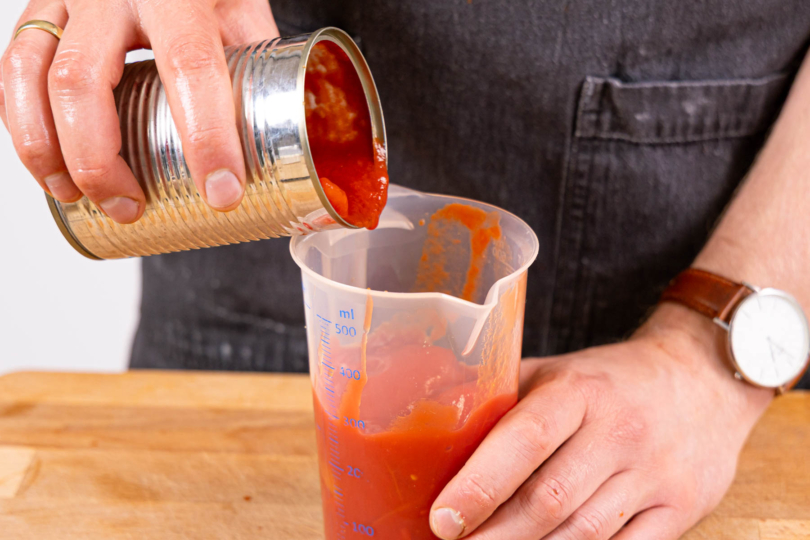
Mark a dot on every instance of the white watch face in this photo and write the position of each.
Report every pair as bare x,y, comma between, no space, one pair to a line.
769,338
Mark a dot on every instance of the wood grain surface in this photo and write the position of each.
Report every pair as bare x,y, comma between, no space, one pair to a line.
171,455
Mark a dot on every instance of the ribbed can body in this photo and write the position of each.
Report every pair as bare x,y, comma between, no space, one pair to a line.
283,194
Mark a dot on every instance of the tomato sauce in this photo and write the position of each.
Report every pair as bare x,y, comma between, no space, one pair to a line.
398,460
458,237
350,163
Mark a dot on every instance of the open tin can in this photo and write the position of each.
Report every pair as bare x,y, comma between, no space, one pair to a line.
283,194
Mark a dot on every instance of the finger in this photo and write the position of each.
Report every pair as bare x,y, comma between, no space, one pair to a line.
606,511
191,61
518,444
241,23
558,488
3,116
87,67
27,107
3,97
658,523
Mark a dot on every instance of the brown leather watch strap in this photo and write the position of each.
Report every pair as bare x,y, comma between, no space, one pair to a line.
707,293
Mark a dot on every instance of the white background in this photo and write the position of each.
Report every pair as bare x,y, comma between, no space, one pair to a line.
58,310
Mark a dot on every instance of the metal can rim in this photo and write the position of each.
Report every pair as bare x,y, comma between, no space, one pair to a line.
65,230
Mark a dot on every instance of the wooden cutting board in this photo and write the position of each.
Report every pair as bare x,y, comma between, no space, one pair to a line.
171,455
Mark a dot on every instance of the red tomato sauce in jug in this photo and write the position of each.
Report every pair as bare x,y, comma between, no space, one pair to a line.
350,163
396,472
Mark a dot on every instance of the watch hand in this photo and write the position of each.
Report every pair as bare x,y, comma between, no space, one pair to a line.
779,348
771,345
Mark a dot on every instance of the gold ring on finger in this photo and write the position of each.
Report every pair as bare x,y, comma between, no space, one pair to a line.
45,26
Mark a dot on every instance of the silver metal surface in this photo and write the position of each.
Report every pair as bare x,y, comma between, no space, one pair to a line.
283,194
752,287
722,324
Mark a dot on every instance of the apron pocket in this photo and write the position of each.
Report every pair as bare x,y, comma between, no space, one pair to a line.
651,167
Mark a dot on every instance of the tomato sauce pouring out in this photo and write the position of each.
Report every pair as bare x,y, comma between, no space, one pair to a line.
350,162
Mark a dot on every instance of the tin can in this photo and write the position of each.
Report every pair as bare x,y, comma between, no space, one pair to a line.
283,194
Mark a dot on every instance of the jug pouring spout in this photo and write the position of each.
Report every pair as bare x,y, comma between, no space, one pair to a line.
423,257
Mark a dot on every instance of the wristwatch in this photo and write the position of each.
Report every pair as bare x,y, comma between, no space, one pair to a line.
768,335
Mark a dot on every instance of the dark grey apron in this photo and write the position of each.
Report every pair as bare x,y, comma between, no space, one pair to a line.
617,129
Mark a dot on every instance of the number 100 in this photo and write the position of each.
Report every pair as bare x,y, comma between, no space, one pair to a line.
368,530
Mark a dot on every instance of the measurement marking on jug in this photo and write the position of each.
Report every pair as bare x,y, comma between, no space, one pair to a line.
368,530
347,314
359,424
350,373
342,329
331,410
354,471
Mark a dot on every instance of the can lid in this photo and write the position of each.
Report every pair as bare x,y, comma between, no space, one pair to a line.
65,230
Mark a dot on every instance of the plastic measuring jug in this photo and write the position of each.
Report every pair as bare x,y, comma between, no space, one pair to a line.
407,376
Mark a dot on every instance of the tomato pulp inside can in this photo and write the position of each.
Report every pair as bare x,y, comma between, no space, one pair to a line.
350,162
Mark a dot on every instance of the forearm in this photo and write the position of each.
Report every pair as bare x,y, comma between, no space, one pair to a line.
763,238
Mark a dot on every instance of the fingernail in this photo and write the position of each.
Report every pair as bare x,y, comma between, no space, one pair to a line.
446,523
120,209
62,187
222,189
